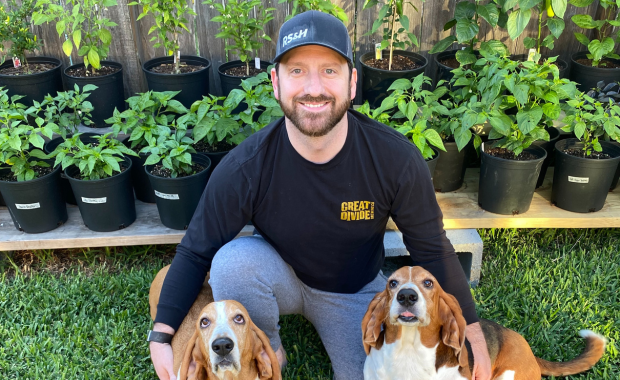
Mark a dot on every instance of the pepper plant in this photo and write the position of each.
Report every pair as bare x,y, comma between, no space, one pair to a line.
554,22
170,22
590,120
11,110
85,26
96,160
466,24
257,93
214,121
608,33
15,29
242,23
325,6
149,115
391,15
173,151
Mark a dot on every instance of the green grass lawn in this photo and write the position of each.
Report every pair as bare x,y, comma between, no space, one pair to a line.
83,314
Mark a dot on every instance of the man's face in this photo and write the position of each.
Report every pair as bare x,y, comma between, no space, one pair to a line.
314,88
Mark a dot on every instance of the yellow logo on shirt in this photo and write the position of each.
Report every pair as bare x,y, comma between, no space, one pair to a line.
358,210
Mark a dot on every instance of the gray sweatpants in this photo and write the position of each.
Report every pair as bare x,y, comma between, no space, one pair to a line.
250,271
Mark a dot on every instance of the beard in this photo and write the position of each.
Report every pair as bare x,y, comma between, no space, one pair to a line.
313,124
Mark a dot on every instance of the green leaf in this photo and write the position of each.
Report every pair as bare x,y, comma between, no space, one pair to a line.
401,84
490,13
520,93
67,47
433,137
443,45
582,38
559,7
583,21
77,38
581,3
552,110
600,49
93,58
501,124
464,10
529,42
527,120
152,159
466,30
60,27
465,57
517,21
89,88
556,26
105,36
580,128
36,140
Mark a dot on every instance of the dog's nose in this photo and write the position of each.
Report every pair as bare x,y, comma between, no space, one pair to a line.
222,346
407,297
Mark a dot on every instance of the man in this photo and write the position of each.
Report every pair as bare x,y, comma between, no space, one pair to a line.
319,186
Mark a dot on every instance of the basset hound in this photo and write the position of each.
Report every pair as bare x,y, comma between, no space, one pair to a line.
218,340
415,330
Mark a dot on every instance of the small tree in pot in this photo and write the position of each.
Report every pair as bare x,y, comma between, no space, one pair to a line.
15,29
325,6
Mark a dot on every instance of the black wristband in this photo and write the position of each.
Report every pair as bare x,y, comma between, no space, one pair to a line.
159,337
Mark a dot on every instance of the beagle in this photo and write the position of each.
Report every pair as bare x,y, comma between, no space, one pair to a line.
217,340
415,330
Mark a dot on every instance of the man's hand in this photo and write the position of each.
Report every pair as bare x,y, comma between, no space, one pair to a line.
161,355
482,361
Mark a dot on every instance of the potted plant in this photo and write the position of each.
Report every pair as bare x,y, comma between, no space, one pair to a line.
31,77
178,177
188,74
466,25
89,33
381,67
401,110
599,62
585,166
245,35
325,6
519,18
29,184
148,116
99,174
520,102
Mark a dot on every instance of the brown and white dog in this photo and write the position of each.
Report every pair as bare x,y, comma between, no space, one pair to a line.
415,330
218,340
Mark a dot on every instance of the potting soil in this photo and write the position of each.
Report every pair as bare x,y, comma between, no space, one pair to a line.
80,72
509,155
33,68
582,153
399,63
168,68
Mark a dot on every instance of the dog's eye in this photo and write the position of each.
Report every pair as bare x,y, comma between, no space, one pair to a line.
239,319
428,283
204,322
393,284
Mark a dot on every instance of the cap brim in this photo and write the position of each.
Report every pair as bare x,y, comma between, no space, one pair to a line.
279,57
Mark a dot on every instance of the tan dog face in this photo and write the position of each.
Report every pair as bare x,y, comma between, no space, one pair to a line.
227,344
412,291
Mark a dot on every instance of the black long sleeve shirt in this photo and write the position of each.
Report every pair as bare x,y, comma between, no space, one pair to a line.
327,221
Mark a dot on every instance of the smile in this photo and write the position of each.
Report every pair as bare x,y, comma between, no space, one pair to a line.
314,105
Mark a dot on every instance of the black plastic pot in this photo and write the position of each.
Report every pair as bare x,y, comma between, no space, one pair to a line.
582,184
36,206
229,82
444,72
34,86
548,146
451,166
177,198
139,179
375,82
106,204
2,200
588,76
614,181
560,63
65,186
507,186
110,93
215,157
432,163
193,86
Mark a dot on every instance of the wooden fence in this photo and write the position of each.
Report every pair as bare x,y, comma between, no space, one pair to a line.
131,45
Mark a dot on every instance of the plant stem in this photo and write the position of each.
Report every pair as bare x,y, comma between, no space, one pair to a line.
540,14
393,32
247,68
176,50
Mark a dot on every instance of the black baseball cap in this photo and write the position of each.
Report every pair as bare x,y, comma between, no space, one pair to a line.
314,28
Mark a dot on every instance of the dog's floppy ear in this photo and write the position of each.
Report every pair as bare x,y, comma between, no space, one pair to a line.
193,353
453,326
261,344
373,321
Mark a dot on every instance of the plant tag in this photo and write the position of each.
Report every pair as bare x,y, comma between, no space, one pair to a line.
17,62
257,63
578,179
531,54
94,201
167,196
378,53
29,206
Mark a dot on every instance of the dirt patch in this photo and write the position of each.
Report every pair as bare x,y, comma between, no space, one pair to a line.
399,63
582,154
509,155
33,68
168,68
450,62
240,71
80,72
220,147
160,171
39,170
604,63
